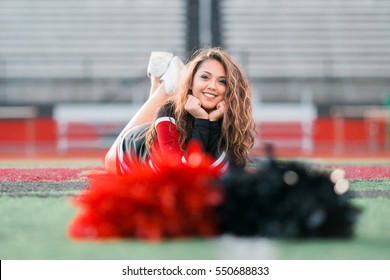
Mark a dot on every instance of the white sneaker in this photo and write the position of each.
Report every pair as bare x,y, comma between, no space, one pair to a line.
171,77
158,63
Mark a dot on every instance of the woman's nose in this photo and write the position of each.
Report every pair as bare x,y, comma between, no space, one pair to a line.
211,84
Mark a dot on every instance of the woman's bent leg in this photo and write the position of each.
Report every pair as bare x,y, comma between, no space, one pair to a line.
144,115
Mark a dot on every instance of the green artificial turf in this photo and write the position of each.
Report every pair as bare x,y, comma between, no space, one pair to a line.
363,185
33,225
35,228
371,239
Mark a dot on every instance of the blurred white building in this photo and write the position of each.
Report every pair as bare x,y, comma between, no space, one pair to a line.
97,51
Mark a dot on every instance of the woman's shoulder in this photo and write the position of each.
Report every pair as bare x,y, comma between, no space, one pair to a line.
167,110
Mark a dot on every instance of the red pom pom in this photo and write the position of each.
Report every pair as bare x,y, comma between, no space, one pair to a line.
178,201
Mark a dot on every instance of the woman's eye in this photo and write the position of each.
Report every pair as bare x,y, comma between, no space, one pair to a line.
223,82
204,77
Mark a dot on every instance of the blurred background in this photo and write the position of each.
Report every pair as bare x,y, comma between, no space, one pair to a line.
72,73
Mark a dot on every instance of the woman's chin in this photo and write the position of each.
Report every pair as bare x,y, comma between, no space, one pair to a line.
208,108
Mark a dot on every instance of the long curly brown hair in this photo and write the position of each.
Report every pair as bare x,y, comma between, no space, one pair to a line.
238,125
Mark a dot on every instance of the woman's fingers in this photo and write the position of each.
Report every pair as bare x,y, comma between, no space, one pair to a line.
193,106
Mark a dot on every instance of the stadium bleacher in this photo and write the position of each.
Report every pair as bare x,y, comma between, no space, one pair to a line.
90,51
83,51
340,49
313,52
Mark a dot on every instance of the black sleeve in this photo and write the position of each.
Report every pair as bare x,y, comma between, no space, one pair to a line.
207,133
214,136
200,132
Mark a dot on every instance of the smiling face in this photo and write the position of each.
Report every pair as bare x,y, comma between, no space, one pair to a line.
209,84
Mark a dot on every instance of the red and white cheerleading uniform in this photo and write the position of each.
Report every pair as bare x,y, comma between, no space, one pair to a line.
132,149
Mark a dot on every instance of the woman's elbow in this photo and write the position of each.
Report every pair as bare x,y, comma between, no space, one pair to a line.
110,162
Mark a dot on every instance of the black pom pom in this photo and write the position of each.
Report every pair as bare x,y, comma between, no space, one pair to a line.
284,200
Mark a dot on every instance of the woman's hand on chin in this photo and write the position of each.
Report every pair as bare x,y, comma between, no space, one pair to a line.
193,106
218,112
